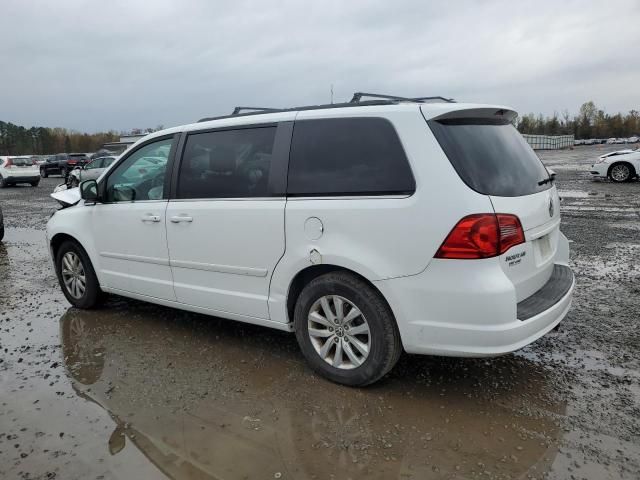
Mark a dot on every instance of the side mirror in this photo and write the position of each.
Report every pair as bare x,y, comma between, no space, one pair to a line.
89,191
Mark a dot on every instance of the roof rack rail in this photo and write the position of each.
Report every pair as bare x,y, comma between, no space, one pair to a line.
356,101
238,110
357,97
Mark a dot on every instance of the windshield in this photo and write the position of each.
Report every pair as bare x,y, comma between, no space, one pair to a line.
491,157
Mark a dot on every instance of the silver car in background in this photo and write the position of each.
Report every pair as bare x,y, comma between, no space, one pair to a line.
90,171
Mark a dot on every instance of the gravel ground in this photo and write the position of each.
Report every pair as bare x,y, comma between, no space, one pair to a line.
138,391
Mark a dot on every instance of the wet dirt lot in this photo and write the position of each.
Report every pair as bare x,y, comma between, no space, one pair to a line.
138,391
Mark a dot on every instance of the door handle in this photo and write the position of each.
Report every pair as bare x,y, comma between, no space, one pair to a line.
181,218
151,218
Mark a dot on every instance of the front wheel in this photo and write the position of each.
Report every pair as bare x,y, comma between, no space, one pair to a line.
620,172
76,276
346,330
35,184
3,182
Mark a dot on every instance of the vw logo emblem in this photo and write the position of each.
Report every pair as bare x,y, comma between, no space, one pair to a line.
551,207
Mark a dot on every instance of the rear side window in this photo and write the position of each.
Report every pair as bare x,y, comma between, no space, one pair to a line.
347,156
491,157
227,164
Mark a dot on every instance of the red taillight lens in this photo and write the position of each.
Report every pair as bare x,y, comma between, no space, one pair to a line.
482,235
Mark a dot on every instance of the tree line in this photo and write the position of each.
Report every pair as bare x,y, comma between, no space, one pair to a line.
19,140
591,122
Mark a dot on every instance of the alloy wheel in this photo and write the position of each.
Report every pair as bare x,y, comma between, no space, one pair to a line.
339,332
73,275
620,173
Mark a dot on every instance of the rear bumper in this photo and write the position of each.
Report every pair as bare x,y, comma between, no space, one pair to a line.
454,310
22,178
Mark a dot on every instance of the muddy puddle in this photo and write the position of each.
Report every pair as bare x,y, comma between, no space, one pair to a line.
204,400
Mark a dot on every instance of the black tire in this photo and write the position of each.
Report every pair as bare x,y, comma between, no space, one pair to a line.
92,295
35,184
3,182
384,338
1,231
626,169
43,173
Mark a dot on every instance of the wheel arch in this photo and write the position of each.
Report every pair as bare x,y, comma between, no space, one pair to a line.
306,275
58,239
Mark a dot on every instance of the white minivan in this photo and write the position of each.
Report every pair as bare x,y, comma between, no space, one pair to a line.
367,228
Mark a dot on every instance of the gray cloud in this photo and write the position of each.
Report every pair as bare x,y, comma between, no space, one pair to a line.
124,64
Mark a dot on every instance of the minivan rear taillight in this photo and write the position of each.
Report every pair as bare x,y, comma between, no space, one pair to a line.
482,235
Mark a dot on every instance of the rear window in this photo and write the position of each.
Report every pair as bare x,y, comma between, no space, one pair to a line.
347,156
491,156
21,162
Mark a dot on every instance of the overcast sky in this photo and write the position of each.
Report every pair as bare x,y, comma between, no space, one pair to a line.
101,65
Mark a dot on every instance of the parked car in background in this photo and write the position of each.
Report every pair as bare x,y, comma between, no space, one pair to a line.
91,170
62,164
102,153
326,222
633,139
578,142
619,140
14,170
620,166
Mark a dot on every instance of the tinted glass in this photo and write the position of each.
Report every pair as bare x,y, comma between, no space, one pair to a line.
141,175
108,161
347,156
491,157
227,164
22,162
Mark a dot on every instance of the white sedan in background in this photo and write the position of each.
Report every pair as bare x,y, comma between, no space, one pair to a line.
620,166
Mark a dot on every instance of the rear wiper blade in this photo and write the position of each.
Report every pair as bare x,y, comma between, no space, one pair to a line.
546,180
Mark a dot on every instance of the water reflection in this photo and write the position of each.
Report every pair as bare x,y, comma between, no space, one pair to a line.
206,398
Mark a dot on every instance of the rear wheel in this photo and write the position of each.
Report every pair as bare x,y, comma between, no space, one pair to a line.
76,276
3,182
43,173
36,183
621,172
346,330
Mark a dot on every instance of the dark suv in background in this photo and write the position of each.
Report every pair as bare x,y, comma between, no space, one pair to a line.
62,164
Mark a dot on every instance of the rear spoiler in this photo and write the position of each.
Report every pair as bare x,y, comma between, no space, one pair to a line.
474,111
